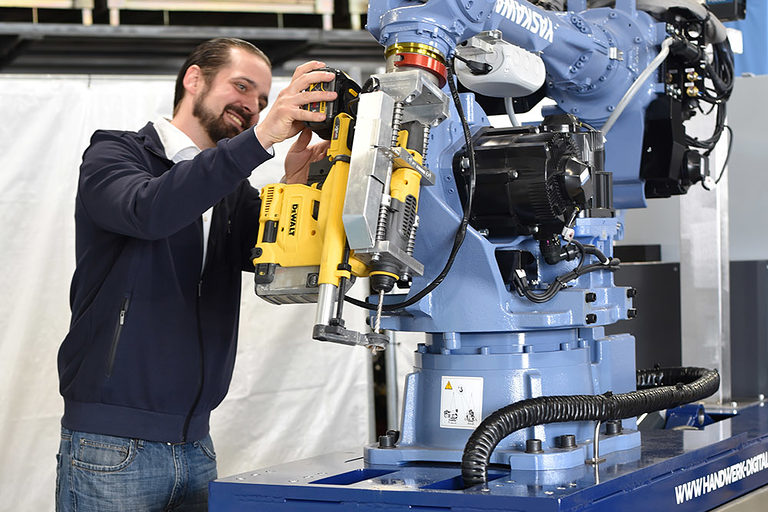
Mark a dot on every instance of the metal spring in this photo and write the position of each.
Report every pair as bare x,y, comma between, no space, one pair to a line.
381,225
397,118
412,238
406,275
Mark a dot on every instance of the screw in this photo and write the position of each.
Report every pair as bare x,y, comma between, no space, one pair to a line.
631,293
590,297
591,318
631,313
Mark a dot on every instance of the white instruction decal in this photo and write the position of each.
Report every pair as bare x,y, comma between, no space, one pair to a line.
726,476
461,402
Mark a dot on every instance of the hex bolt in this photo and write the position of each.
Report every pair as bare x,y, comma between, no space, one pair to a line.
565,441
590,297
612,427
533,446
631,313
386,441
631,293
591,318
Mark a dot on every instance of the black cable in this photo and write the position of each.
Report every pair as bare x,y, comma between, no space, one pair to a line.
523,288
727,158
461,231
475,67
657,389
721,73
727,154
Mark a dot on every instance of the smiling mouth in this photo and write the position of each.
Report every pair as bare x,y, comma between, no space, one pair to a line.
237,120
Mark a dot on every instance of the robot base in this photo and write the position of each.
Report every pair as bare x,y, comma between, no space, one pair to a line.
555,459
681,470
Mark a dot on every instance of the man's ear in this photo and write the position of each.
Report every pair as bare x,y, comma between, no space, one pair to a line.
193,79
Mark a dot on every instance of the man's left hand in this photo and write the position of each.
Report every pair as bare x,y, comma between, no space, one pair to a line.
301,155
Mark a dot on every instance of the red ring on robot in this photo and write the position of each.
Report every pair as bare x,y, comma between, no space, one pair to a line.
431,64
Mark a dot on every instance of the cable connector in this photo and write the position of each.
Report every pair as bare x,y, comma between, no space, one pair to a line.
475,67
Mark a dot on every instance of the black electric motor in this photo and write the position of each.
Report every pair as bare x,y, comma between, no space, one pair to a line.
535,180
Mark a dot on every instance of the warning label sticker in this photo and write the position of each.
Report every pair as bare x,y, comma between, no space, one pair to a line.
461,402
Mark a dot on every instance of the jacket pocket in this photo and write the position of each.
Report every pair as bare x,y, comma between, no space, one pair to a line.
116,337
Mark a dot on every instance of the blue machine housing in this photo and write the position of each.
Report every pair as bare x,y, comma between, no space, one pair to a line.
479,327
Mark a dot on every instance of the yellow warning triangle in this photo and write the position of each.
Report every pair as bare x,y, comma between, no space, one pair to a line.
448,386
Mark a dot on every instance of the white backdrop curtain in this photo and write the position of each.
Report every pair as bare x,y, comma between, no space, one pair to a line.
291,397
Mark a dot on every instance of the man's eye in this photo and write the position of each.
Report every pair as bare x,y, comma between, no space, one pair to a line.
241,87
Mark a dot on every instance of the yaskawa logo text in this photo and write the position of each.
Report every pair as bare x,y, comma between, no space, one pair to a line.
526,18
718,479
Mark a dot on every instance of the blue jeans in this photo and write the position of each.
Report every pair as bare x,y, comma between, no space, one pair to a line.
116,474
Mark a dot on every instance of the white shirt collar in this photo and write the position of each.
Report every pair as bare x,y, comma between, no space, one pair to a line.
177,145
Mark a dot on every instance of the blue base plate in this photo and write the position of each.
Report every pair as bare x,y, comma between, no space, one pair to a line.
681,470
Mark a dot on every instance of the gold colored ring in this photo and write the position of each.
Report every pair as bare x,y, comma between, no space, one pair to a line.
383,273
420,48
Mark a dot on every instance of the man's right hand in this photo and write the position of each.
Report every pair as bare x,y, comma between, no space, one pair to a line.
286,117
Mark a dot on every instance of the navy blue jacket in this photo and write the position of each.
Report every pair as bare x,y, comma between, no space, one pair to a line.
152,342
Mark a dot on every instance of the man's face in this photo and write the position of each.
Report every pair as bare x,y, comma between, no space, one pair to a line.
236,95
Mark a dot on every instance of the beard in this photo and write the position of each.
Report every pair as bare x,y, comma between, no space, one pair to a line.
216,126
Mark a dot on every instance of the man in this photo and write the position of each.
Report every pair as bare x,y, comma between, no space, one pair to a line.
165,220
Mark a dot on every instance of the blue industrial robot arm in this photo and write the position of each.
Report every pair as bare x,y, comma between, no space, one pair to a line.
592,58
523,303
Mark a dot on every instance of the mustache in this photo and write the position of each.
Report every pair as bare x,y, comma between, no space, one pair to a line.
247,116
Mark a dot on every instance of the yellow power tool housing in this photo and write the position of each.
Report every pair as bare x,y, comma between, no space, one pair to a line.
301,242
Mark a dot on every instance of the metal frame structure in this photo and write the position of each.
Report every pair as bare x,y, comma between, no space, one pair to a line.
686,469
86,6
322,7
159,49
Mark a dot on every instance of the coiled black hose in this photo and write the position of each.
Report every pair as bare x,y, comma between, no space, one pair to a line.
658,388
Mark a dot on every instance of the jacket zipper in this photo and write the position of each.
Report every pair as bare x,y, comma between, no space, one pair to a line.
199,394
116,337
